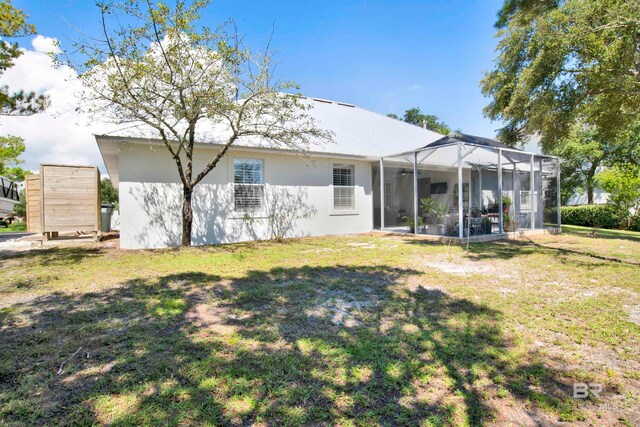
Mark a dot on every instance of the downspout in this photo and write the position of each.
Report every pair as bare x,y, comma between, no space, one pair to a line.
381,194
415,192
500,215
460,209
558,194
531,188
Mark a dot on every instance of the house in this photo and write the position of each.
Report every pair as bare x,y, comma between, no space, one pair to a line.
600,197
258,192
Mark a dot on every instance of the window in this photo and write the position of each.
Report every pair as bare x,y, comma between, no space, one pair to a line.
525,192
248,184
343,188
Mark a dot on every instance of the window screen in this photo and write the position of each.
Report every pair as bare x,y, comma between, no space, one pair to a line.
248,183
388,194
343,187
465,194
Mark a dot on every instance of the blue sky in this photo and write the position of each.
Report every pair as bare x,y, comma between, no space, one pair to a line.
385,56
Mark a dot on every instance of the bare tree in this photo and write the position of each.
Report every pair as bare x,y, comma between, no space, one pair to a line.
153,67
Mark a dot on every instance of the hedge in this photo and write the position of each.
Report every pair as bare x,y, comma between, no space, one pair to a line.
600,216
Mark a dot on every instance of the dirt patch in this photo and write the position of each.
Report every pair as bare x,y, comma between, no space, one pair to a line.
34,242
317,251
342,308
467,268
362,245
206,312
509,413
212,317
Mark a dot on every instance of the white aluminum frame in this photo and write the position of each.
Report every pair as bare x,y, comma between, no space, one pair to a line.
499,151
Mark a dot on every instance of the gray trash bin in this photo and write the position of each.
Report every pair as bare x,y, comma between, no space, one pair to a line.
106,212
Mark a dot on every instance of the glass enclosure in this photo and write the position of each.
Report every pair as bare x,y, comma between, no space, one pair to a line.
459,189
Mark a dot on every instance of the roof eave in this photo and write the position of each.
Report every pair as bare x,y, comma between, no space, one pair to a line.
111,139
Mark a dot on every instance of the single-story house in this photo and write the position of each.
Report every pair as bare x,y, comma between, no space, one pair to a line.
260,192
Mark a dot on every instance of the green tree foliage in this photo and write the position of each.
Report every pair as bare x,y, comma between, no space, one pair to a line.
11,147
416,117
108,193
583,151
158,67
13,23
21,208
563,60
626,150
623,185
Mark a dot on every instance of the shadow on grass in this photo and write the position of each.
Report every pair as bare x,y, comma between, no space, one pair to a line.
510,249
601,233
285,346
58,256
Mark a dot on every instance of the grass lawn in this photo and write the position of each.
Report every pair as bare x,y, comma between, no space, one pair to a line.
353,330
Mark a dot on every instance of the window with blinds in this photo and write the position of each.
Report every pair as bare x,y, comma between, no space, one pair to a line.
248,184
343,187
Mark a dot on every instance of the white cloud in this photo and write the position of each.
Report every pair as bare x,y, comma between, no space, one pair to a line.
58,135
416,87
45,44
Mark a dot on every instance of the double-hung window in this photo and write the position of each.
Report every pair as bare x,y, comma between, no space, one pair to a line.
343,188
248,184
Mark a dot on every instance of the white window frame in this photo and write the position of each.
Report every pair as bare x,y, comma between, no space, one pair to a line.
343,210
259,186
525,195
525,200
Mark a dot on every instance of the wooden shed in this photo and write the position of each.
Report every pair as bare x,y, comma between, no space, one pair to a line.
63,198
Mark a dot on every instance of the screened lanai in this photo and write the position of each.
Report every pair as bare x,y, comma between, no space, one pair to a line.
464,186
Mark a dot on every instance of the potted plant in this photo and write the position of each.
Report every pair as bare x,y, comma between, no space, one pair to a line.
506,204
510,224
409,222
436,211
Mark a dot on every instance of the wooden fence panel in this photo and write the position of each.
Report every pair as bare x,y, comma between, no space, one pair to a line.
70,198
32,194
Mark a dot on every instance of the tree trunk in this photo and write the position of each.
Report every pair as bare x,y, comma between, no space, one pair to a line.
187,215
590,187
589,193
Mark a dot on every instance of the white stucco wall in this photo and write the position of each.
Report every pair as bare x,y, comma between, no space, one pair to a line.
151,198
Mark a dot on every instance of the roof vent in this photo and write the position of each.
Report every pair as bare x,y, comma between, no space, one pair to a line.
344,104
326,101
